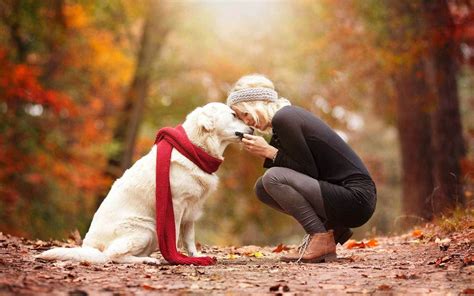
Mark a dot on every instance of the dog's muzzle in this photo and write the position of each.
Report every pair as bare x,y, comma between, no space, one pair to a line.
241,134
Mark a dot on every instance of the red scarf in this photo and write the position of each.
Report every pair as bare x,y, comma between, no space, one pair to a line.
167,139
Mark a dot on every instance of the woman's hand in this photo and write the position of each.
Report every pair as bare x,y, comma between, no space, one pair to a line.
258,146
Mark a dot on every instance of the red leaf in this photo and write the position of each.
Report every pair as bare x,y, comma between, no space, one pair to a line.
280,248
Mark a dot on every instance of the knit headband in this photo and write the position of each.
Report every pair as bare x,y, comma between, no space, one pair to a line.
252,94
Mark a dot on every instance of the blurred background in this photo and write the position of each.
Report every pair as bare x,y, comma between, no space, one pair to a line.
86,84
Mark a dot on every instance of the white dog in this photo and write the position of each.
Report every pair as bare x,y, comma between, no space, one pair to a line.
123,229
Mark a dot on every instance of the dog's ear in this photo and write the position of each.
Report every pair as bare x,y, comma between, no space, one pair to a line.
205,120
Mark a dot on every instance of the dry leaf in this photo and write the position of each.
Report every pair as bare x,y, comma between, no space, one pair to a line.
407,277
351,244
280,248
279,288
417,233
150,287
384,287
372,243
468,260
440,262
257,254
231,256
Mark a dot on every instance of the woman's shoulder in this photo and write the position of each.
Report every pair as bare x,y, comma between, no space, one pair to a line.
290,113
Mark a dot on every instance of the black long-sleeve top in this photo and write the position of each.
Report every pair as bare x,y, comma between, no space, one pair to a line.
308,145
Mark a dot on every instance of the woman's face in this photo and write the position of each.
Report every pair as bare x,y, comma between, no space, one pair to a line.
248,119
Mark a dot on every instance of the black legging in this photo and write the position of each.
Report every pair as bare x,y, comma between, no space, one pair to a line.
295,194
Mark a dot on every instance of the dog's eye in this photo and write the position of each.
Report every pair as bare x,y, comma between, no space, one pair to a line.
233,114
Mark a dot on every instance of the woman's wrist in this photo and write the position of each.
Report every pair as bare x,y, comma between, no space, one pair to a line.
272,153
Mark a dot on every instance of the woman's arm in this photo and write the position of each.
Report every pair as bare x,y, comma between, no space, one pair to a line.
289,126
273,157
283,160
295,154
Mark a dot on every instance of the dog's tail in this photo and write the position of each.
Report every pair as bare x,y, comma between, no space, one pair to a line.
80,254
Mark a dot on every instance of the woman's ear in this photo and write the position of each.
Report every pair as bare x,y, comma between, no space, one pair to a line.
205,120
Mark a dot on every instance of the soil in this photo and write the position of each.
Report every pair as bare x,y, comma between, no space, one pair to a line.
415,263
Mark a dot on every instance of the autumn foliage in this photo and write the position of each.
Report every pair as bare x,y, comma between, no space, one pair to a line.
56,129
68,98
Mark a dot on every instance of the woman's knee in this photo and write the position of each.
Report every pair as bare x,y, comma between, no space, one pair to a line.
273,177
258,188
262,195
265,197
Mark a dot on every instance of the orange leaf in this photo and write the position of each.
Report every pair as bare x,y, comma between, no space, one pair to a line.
351,244
354,244
280,248
372,243
417,233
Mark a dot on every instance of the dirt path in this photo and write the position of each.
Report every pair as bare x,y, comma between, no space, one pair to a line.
397,265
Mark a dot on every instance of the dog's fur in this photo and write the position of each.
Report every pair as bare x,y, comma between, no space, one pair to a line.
123,229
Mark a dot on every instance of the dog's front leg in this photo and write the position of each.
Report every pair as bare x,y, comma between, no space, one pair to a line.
188,236
178,216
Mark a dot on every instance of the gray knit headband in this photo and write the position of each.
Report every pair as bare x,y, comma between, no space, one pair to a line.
252,94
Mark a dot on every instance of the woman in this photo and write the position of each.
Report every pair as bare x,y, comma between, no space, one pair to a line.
313,175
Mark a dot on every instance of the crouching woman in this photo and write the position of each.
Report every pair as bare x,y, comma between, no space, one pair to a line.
313,175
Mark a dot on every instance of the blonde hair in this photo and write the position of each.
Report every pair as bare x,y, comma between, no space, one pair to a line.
266,109
252,80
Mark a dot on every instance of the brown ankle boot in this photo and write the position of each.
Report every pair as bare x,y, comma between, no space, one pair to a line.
318,247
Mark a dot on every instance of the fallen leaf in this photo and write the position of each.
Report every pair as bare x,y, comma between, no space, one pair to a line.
231,256
78,292
279,288
150,287
468,260
257,254
417,233
372,243
468,291
406,277
280,248
198,246
440,262
384,287
351,244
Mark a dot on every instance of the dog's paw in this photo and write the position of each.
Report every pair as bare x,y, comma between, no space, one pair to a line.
151,261
196,254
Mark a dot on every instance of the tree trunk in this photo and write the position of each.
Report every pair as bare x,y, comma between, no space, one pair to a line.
129,120
447,140
56,39
413,123
427,106
15,32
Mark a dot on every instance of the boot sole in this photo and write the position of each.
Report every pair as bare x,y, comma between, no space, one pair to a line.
324,258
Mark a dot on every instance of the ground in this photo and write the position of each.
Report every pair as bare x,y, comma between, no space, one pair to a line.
419,262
